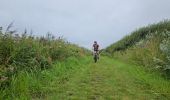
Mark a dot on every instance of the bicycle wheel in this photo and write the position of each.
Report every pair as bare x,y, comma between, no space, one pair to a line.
95,58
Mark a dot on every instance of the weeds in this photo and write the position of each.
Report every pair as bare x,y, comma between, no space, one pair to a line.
23,53
148,46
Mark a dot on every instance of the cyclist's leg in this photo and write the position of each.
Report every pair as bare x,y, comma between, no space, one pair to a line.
98,54
94,54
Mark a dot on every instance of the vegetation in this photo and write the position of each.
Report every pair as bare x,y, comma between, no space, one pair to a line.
148,46
139,35
110,79
52,68
21,55
83,79
30,85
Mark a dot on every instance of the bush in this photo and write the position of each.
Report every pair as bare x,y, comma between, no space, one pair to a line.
165,47
31,54
148,47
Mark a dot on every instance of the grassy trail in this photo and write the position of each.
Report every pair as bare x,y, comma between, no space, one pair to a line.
110,80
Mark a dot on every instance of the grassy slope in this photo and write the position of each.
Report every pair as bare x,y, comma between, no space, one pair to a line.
147,46
107,80
138,35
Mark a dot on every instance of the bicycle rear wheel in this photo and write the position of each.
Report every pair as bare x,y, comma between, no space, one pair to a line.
95,58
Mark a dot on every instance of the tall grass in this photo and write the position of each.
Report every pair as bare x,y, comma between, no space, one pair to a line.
148,46
30,85
23,54
139,35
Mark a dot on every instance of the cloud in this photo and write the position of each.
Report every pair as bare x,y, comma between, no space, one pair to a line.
83,21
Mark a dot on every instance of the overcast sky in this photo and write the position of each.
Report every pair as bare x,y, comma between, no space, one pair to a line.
83,21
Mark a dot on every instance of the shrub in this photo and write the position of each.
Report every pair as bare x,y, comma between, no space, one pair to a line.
165,47
149,47
31,54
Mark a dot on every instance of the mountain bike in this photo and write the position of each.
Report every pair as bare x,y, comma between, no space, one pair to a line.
96,56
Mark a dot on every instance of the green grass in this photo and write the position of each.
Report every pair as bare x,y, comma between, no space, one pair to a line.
28,64
53,69
27,85
138,35
148,47
82,79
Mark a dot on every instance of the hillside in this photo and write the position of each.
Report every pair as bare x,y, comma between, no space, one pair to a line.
25,53
148,46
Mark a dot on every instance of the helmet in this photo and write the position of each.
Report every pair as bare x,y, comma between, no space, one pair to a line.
95,41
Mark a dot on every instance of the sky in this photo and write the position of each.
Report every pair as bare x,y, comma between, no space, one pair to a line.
83,21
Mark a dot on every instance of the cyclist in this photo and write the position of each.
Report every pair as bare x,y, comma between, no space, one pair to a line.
96,48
